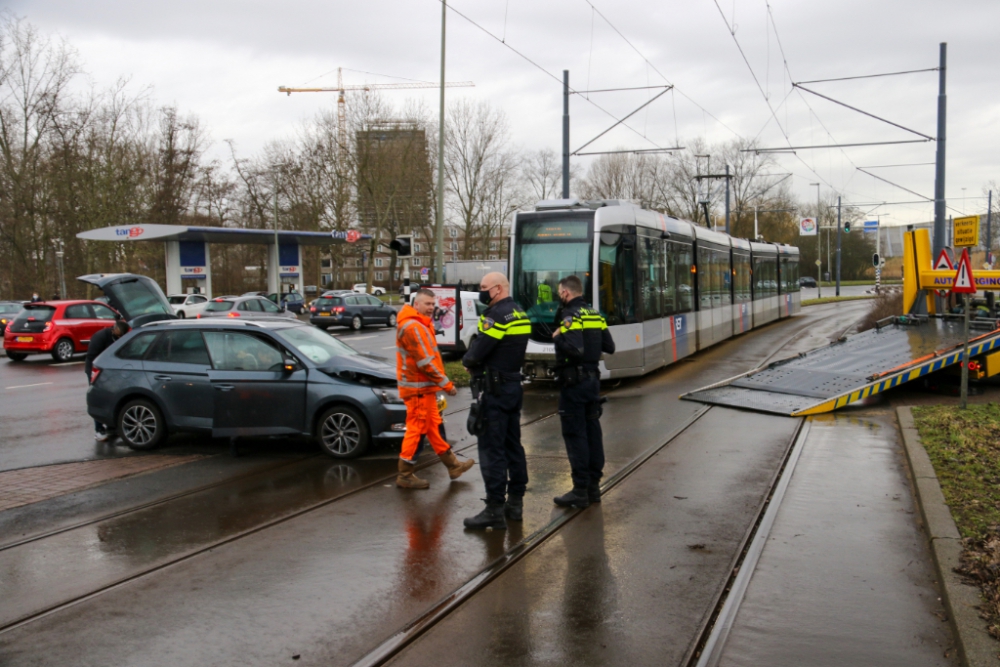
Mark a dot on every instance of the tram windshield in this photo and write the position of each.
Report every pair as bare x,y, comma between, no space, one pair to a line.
546,251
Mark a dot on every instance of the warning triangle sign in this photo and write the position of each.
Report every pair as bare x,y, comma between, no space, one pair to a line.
943,262
964,282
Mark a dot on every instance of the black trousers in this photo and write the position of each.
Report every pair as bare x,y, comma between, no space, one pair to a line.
501,456
580,414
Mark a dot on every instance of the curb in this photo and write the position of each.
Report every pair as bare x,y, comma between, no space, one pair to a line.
975,646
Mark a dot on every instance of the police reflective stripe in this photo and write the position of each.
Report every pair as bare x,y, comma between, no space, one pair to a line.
518,327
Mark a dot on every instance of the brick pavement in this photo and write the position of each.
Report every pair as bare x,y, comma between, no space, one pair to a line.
30,485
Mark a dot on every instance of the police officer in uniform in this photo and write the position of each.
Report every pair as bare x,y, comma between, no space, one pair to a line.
494,359
580,338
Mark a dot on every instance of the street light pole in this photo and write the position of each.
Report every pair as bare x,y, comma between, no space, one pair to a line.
819,248
838,246
439,222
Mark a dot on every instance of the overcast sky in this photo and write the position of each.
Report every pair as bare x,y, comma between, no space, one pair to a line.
223,60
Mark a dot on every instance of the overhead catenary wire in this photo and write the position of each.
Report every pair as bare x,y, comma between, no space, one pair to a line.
873,76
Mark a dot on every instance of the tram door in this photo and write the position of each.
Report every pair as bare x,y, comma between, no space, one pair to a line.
652,260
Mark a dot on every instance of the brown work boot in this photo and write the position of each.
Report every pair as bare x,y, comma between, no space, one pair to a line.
455,468
407,478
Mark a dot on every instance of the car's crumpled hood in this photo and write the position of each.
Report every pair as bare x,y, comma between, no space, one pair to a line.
361,368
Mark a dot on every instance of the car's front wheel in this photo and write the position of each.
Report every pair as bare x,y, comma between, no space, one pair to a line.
392,320
63,351
180,314
17,356
356,323
140,425
343,433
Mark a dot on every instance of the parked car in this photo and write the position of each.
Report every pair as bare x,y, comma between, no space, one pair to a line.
294,302
228,377
8,310
187,305
59,328
248,307
362,288
351,310
807,281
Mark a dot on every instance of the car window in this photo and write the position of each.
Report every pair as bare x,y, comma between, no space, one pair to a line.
241,352
36,313
268,307
315,345
9,307
352,300
136,348
139,296
102,312
80,311
219,306
249,305
176,300
199,299
373,301
180,347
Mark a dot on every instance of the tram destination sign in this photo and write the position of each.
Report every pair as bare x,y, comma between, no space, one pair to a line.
562,230
966,231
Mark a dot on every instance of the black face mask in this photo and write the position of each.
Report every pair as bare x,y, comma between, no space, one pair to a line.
484,296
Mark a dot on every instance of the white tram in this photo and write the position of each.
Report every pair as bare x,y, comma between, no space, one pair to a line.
666,286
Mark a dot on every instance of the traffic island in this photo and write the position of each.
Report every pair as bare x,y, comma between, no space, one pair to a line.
954,456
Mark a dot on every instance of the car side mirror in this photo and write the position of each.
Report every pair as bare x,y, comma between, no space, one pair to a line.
291,365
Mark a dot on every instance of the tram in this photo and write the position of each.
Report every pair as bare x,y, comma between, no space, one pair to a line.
666,286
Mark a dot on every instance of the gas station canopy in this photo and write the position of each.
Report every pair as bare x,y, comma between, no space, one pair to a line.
187,249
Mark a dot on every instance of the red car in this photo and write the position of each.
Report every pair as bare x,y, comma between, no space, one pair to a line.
61,328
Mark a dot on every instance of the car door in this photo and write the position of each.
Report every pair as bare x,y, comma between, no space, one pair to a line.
269,309
78,320
373,310
177,369
253,393
248,309
354,306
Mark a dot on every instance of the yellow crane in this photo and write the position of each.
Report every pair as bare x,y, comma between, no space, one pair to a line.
341,89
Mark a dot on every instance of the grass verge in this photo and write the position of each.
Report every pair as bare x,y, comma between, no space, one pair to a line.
964,447
855,283
456,373
832,299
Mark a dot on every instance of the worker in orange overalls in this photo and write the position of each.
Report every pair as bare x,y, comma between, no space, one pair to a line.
420,374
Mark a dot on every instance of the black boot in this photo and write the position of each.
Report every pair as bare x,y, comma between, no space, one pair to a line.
576,498
594,493
490,517
514,509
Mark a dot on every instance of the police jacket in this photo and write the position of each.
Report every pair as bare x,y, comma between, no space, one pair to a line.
501,340
583,335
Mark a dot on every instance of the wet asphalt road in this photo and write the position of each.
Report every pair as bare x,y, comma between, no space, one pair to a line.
331,583
43,411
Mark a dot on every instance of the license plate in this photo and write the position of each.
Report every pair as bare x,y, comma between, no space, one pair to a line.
24,339
324,314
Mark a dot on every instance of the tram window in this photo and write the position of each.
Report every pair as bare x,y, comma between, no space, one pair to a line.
793,275
539,267
704,279
651,272
681,261
617,281
725,278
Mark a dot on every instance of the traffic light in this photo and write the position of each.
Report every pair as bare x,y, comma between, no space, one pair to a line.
875,260
847,227
403,245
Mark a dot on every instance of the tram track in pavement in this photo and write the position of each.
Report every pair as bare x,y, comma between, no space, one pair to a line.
389,648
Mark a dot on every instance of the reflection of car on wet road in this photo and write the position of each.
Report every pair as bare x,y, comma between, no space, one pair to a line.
351,310
230,378
60,328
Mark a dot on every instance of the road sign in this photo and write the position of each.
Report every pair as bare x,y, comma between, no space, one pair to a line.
424,271
871,226
965,283
966,231
807,227
819,262
943,263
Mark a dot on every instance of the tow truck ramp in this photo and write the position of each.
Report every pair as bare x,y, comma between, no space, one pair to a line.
856,367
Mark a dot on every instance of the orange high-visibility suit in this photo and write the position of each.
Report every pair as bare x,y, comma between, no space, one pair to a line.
420,374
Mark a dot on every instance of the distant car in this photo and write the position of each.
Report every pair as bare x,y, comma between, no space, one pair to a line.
362,288
247,307
59,328
338,292
234,377
294,302
187,305
807,281
351,310
8,310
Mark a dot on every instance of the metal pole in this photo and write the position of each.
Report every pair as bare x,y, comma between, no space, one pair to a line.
277,247
838,246
727,198
965,354
878,251
406,280
565,136
939,202
989,243
819,250
439,222
755,234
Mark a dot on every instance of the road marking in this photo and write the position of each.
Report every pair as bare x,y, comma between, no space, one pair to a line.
23,386
391,347
357,337
69,363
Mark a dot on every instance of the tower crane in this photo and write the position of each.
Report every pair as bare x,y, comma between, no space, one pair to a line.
340,89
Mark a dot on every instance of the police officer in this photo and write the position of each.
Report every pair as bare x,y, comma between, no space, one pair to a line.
494,359
580,338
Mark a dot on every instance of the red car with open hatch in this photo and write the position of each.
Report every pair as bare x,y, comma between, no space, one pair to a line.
59,328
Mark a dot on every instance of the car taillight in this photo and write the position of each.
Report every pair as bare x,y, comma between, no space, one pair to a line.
312,310
94,372
233,313
337,309
48,326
